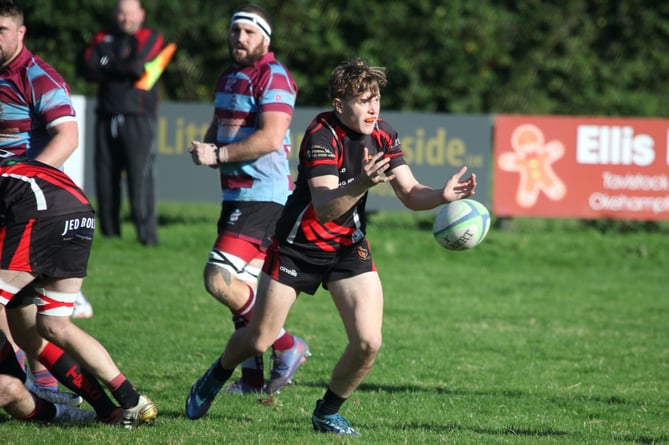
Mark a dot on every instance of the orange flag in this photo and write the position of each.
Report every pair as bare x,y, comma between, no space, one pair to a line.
154,68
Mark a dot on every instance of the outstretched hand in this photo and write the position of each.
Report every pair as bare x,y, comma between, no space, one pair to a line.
455,189
374,168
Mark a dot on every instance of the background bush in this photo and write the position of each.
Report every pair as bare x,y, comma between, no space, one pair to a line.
598,57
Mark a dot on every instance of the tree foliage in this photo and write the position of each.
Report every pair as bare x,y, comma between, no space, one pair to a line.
595,57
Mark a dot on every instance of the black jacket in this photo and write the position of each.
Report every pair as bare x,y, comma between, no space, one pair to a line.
116,61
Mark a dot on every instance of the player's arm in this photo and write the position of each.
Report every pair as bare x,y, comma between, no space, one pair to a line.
416,196
148,48
210,134
64,140
268,138
96,58
331,201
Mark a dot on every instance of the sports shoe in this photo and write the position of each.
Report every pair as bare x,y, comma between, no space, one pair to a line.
69,414
144,412
57,397
202,393
82,308
332,423
114,418
240,387
285,363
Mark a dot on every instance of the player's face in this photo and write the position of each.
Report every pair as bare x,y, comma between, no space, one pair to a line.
129,16
359,113
246,44
11,39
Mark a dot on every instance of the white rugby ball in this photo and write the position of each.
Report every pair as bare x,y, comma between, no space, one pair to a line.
461,224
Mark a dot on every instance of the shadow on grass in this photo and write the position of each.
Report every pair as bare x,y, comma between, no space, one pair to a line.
513,431
451,427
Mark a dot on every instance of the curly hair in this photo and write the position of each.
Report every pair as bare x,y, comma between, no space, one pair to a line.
354,78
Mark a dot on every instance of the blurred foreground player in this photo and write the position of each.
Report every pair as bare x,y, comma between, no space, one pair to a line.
45,238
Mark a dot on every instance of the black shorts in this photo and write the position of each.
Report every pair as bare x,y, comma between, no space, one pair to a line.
56,247
305,273
253,222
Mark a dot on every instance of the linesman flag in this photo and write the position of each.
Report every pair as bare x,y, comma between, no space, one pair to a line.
154,68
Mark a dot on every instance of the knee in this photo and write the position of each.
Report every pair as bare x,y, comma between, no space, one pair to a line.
251,343
259,347
369,347
12,388
262,341
52,329
217,281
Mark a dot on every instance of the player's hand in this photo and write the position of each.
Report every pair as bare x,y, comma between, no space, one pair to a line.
456,189
203,154
374,168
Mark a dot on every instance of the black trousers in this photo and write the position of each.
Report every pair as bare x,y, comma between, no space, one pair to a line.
124,144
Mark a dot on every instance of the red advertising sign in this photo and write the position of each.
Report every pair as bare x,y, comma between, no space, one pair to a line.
581,167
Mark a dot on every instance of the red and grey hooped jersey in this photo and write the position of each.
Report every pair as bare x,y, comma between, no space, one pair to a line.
30,189
33,98
330,148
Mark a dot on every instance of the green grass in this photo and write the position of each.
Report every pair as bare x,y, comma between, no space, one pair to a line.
548,332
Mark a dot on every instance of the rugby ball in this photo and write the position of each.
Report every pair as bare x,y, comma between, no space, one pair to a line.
461,224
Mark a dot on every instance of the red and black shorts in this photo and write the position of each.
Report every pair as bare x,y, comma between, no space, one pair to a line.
55,247
305,273
249,222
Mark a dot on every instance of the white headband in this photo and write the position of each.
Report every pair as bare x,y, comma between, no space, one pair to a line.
253,19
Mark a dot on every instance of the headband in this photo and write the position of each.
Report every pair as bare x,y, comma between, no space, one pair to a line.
253,19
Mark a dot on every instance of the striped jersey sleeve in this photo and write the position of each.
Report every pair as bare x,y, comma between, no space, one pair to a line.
33,97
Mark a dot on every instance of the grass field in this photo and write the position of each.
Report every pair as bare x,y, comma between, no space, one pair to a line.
550,332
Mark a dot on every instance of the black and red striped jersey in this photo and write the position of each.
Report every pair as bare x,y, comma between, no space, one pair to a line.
32,189
330,148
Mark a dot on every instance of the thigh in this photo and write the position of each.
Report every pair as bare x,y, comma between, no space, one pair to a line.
359,300
22,321
11,282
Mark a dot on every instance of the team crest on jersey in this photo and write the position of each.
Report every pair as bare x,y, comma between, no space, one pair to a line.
363,253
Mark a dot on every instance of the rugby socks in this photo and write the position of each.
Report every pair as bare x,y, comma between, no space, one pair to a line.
44,410
21,357
44,379
284,342
77,379
253,369
243,314
220,373
123,391
9,364
331,403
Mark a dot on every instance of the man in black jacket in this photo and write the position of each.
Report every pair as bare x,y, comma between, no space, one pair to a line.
126,120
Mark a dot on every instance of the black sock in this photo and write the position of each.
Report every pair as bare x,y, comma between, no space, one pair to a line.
79,380
331,403
220,373
9,364
126,395
44,410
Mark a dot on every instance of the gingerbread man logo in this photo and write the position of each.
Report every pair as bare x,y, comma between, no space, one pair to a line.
533,158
